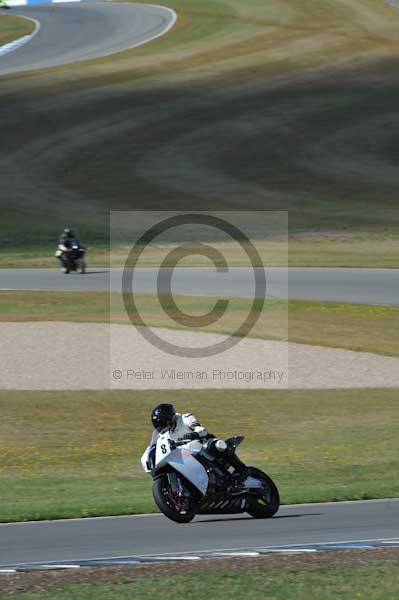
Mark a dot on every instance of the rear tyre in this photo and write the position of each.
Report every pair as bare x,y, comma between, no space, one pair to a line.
265,503
170,504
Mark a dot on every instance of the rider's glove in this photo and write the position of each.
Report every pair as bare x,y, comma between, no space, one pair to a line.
216,444
221,445
191,436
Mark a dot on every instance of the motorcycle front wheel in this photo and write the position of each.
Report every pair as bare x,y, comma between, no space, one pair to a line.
176,508
265,502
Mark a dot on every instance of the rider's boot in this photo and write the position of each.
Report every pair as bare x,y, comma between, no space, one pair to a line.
241,471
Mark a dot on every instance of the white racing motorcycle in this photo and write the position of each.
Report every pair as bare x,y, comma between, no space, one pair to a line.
191,478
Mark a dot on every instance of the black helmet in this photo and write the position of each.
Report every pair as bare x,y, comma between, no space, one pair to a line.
69,233
163,416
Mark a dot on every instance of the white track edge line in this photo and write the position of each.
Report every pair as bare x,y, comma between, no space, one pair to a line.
23,41
263,548
19,42
206,552
161,33
164,31
7,571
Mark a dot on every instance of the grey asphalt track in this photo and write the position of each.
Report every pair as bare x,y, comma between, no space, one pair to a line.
154,534
81,31
363,286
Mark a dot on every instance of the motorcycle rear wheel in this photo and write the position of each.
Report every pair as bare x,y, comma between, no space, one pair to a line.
262,507
163,497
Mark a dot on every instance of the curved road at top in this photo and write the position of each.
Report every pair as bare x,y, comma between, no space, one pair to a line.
82,31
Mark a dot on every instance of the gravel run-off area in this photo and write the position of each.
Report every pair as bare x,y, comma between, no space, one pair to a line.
71,356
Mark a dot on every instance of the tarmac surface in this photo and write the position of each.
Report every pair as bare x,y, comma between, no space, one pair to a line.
154,535
363,286
77,31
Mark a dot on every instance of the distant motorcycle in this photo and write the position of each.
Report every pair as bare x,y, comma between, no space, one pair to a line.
72,259
190,478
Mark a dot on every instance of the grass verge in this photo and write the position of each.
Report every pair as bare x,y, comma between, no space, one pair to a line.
317,250
356,327
12,28
71,454
347,575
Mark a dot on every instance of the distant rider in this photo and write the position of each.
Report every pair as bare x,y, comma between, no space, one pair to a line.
69,247
69,239
186,426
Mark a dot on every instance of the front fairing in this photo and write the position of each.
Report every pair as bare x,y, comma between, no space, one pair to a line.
146,463
181,459
148,459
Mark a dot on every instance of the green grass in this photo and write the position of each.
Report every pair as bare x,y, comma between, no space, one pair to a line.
352,326
12,28
66,454
371,579
372,250
256,105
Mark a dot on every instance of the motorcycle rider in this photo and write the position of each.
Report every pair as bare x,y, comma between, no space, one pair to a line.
187,427
66,242
68,239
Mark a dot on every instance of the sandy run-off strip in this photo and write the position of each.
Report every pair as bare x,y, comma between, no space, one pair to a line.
71,356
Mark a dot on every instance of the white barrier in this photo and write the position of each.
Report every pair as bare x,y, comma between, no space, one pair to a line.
13,3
